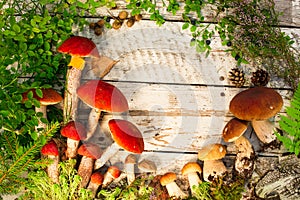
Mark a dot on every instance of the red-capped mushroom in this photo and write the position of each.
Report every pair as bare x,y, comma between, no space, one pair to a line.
257,104
90,152
126,135
78,47
168,180
111,174
50,97
51,151
75,132
95,182
101,96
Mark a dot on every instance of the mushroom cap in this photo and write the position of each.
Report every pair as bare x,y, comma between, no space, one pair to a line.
258,103
147,166
130,159
212,152
234,129
74,130
103,96
79,46
167,178
50,96
50,149
126,135
97,178
190,168
114,171
90,150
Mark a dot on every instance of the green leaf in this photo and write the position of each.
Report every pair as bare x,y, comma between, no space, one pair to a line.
185,26
39,93
16,28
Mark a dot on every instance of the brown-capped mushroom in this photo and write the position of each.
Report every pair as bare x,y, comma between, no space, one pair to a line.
125,135
51,151
234,129
257,104
129,164
146,165
90,152
75,132
168,180
78,47
213,166
100,96
191,170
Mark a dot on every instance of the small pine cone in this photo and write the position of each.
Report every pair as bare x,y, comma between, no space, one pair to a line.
237,77
260,77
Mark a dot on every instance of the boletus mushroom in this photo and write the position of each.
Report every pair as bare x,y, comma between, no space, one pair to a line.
95,182
110,175
125,135
168,180
129,164
234,129
191,170
101,96
51,151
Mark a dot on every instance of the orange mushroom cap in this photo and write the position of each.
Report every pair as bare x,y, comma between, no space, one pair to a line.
258,103
74,130
50,149
50,96
90,150
97,178
103,96
126,135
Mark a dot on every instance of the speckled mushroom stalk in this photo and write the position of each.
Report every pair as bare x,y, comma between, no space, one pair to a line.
168,180
191,170
110,175
129,163
101,96
95,182
90,152
78,47
51,151
125,135
75,132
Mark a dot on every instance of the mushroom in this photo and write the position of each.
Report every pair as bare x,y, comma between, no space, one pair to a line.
147,166
212,165
191,170
129,163
168,180
50,97
78,47
244,160
112,173
74,131
234,129
90,152
100,96
51,151
125,135
257,104
95,182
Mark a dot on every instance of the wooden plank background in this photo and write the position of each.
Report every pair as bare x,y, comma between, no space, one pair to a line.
177,97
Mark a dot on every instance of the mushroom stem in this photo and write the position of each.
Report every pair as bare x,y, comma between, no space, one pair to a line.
213,168
264,130
71,99
109,152
193,179
175,191
93,119
52,169
85,170
42,109
72,146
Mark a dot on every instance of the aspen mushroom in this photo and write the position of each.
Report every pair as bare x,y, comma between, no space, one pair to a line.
90,152
234,129
100,96
244,160
95,182
191,170
147,166
51,151
168,180
74,131
111,174
125,135
50,97
257,104
213,165
78,47
129,163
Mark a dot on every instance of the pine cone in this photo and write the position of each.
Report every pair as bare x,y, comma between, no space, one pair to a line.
260,77
237,77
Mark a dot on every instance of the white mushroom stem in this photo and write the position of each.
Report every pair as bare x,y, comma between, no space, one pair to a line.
72,146
70,97
93,120
213,168
129,169
109,152
264,130
174,190
42,109
193,179
52,169
85,170
93,187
